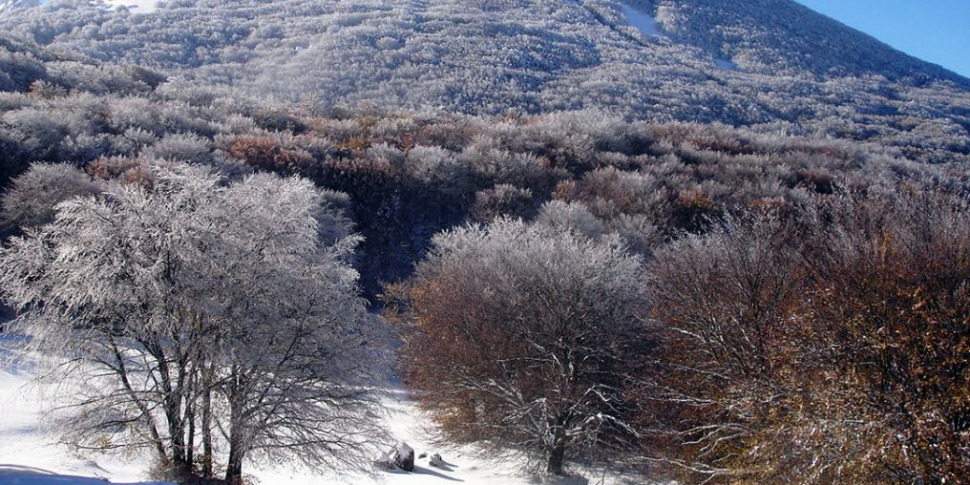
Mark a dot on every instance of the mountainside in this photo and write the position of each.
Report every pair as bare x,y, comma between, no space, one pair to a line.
225,222
767,63
785,37
7,5
140,5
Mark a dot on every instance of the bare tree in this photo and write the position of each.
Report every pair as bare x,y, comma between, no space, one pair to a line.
889,310
524,335
724,300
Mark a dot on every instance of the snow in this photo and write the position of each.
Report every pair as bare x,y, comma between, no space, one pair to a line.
726,64
137,6
24,475
30,453
643,22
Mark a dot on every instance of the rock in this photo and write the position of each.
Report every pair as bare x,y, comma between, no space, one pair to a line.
384,462
436,461
422,455
404,457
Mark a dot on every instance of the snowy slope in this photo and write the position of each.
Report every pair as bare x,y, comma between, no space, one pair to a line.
137,6
643,22
22,475
746,62
31,455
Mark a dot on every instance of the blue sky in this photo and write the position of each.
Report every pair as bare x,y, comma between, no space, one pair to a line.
933,30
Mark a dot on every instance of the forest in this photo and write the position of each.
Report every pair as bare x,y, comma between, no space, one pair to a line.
709,301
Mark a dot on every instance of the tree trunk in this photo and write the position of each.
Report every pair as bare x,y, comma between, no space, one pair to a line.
172,398
207,431
139,403
176,428
190,441
556,457
236,439
234,466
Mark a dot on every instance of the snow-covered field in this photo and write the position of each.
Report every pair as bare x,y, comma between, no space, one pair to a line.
31,455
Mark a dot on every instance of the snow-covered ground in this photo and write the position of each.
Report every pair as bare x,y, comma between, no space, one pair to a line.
726,64
23,475
31,455
643,22
137,6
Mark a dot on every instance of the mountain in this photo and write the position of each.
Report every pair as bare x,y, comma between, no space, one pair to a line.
7,5
142,6
771,64
835,203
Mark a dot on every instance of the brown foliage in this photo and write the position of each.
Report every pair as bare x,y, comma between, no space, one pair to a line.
502,200
266,153
832,353
525,337
125,170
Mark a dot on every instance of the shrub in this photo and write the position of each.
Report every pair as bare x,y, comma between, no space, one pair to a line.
502,200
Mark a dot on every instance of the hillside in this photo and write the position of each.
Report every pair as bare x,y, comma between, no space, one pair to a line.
409,175
559,242
772,64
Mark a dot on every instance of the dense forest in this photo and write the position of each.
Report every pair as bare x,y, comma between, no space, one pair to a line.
757,296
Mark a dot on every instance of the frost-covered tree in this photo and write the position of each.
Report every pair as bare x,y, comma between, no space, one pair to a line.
30,201
191,304
293,338
525,335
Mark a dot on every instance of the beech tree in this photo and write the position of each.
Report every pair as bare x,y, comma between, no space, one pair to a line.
828,351
293,337
524,335
192,306
725,301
